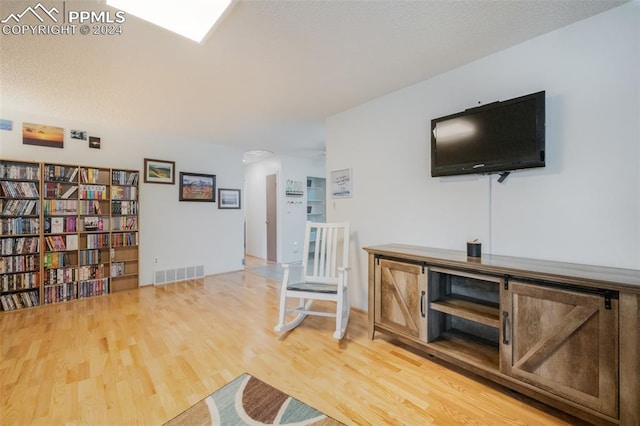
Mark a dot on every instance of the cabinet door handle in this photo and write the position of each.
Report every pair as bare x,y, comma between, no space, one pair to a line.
505,318
422,304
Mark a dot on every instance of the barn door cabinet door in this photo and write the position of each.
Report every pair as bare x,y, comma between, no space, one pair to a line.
400,297
562,341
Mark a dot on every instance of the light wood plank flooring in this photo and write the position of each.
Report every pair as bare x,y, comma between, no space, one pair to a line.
144,356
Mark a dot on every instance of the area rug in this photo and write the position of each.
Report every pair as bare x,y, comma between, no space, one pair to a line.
249,401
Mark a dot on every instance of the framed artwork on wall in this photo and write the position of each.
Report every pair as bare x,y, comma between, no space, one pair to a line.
6,124
159,171
197,187
42,135
228,198
80,135
341,183
94,142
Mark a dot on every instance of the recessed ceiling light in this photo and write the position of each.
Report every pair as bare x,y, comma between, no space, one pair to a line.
256,155
193,19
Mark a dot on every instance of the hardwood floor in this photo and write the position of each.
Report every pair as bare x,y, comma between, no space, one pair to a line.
143,356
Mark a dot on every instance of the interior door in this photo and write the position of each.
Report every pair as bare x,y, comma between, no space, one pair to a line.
272,219
562,341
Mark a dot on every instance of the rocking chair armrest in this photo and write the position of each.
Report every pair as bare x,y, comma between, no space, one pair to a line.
342,273
285,277
286,266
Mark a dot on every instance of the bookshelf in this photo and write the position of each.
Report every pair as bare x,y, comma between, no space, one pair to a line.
93,235
124,229
66,232
316,194
19,235
59,233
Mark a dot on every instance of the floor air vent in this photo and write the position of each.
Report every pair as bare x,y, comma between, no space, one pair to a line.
178,274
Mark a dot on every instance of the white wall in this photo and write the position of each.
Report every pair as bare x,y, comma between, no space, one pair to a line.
291,211
584,207
177,233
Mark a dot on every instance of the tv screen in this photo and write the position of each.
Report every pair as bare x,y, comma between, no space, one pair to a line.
498,137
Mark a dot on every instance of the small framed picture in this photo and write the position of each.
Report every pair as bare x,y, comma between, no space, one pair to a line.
341,183
6,124
159,171
80,135
228,198
197,187
94,142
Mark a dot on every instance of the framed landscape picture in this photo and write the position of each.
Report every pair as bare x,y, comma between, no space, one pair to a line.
159,171
197,187
228,198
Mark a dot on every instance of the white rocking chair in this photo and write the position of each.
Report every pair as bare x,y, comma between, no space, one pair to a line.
324,277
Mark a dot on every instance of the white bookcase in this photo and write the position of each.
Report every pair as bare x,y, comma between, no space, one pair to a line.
316,199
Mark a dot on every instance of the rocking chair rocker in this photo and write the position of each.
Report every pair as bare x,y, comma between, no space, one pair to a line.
324,277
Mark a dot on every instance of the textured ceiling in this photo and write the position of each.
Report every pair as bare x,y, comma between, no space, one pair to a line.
271,72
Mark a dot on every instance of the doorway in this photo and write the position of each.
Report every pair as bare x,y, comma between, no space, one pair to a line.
272,219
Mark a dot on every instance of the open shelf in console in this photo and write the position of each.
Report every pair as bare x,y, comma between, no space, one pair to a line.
464,316
469,349
484,313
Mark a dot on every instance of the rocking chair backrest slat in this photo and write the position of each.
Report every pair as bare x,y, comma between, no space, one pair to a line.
323,243
322,232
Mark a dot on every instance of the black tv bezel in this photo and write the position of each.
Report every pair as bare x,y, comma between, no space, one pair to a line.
503,165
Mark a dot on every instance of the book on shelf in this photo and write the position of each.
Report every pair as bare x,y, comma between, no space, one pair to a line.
93,192
133,178
29,189
60,207
18,207
51,189
55,243
5,303
16,300
96,207
57,225
69,191
57,173
55,260
93,223
11,170
73,175
131,223
89,175
117,269
19,189
97,241
90,207
123,177
70,225
19,225
122,223
72,242
117,192
90,223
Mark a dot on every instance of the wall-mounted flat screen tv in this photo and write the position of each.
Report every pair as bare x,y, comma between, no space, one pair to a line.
499,137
